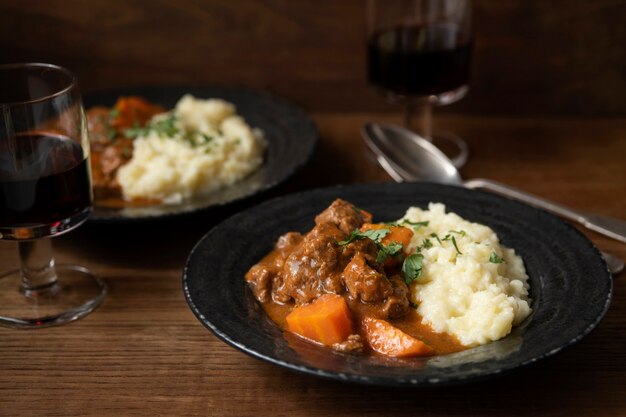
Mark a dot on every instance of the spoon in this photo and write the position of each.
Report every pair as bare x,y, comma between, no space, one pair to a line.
406,156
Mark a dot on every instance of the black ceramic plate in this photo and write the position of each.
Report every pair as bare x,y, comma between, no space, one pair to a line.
290,133
570,284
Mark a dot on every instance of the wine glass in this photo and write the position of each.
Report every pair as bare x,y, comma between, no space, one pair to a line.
45,191
418,54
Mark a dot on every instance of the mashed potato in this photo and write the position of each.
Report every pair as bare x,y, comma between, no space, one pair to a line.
470,286
199,147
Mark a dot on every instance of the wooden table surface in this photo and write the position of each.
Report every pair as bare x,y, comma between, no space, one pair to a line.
144,353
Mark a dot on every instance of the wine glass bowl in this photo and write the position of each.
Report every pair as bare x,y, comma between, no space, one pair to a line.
45,190
419,55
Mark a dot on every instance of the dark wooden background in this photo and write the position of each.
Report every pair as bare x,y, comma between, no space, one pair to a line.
556,58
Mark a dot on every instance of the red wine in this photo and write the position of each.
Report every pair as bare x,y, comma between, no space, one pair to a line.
419,60
44,178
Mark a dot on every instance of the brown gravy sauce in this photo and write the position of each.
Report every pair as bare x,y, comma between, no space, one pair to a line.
411,324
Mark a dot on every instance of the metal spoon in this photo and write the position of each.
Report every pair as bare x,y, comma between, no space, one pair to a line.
406,156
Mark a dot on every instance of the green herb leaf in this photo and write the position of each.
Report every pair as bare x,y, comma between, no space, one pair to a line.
434,235
375,234
495,259
111,134
135,132
426,244
415,225
412,267
455,246
459,232
114,113
385,251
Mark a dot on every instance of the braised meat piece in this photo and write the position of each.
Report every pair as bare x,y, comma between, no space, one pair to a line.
302,268
266,275
397,303
364,282
344,215
312,269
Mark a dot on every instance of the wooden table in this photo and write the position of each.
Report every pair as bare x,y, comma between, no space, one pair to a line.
144,353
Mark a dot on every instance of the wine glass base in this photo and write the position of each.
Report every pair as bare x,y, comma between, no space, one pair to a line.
76,293
452,146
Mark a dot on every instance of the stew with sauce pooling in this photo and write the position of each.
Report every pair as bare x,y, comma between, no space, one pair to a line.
342,285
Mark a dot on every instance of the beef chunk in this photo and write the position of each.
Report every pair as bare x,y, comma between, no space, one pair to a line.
260,278
311,269
397,304
344,215
364,282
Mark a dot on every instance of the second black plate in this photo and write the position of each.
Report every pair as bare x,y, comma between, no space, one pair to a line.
289,131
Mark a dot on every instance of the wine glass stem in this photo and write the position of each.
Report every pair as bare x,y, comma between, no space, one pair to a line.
418,117
37,266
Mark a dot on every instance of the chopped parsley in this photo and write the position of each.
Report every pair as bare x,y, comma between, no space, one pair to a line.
376,235
114,113
495,259
455,246
416,225
412,267
111,134
426,244
385,251
167,127
434,235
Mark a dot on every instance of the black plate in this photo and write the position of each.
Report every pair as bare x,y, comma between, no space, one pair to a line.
570,284
290,133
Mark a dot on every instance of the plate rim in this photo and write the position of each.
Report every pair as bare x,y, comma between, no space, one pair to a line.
378,380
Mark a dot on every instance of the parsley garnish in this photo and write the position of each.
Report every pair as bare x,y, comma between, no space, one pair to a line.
384,251
412,267
455,246
114,113
426,244
450,238
111,134
375,234
163,127
416,225
436,237
495,259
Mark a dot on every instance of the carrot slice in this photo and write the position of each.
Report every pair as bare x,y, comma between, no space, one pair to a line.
326,320
388,340
134,111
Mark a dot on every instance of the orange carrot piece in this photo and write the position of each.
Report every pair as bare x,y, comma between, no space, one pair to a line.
388,340
398,234
132,111
326,320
